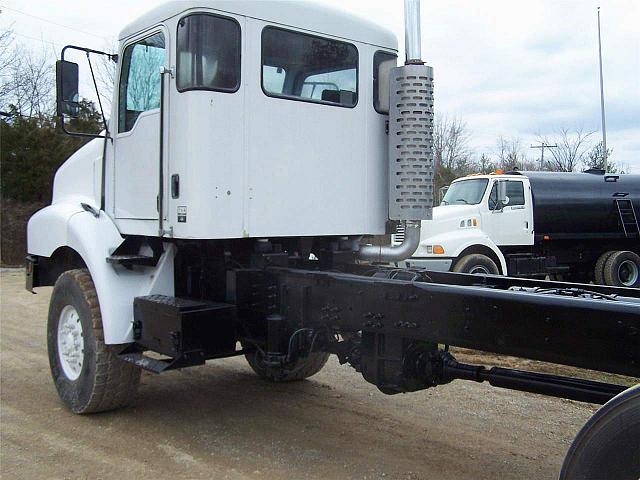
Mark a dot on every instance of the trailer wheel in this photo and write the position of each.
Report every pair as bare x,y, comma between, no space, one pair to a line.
622,269
301,369
88,375
608,446
476,263
599,268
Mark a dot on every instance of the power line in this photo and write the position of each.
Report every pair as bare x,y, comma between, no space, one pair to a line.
55,23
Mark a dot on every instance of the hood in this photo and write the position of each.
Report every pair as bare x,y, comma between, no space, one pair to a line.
447,218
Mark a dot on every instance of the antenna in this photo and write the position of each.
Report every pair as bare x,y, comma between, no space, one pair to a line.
604,128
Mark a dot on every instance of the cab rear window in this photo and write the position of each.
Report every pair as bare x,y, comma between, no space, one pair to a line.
304,67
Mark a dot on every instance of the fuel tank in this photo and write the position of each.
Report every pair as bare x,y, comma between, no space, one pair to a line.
582,205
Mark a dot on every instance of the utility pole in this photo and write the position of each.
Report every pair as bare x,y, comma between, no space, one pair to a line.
542,146
604,128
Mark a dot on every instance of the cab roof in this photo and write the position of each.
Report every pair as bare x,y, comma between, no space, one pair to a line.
298,14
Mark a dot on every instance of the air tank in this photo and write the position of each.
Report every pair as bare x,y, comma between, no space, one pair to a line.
581,205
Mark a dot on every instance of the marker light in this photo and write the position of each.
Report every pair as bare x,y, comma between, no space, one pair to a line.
438,250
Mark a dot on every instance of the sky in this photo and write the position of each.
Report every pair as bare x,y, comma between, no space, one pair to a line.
516,69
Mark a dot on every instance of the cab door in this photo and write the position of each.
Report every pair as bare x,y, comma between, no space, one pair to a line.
510,224
137,137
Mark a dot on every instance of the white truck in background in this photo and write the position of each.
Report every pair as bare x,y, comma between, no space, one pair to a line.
581,226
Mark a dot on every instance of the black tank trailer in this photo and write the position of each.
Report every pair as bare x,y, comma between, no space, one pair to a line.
586,225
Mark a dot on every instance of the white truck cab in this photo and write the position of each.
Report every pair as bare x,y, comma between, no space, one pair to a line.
473,222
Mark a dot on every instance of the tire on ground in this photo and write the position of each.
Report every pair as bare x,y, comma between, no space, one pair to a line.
608,446
622,269
301,369
599,268
476,263
104,382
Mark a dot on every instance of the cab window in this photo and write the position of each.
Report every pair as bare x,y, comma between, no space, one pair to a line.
139,89
515,192
208,53
305,67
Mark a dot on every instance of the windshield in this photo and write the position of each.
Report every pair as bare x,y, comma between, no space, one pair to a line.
465,192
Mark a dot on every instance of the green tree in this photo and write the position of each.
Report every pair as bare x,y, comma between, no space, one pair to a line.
32,149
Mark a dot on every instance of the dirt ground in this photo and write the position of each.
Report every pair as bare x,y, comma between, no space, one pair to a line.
220,421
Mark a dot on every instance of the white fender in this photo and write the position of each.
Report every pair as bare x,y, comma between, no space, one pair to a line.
455,242
95,238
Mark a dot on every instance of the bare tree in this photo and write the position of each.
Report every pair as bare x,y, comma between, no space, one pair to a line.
106,78
510,154
572,149
485,164
451,143
28,79
7,62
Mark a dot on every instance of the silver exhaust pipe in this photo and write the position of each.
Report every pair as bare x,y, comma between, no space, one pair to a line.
412,38
411,167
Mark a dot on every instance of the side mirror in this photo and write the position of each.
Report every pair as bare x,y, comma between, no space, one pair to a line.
383,82
67,96
502,193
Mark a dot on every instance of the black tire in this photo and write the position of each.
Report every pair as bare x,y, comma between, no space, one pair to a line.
476,263
303,368
104,382
599,268
608,446
622,269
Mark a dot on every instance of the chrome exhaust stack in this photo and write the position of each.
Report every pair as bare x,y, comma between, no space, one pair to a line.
411,164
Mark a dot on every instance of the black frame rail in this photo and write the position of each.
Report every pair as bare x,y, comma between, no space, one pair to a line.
601,333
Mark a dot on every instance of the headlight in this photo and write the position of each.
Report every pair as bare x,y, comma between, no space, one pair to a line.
471,222
435,249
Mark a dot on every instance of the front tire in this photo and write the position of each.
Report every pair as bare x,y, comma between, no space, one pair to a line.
302,368
88,375
476,264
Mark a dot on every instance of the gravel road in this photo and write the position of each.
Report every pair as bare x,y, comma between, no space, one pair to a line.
220,421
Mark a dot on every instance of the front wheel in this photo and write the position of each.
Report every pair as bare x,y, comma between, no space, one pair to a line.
477,264
298,370
87,373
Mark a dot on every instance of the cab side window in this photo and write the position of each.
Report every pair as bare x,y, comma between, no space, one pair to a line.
515,192
139,89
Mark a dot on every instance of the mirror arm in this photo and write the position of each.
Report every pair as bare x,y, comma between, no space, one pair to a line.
95,85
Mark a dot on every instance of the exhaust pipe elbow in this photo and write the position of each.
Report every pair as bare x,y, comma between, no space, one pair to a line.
394,253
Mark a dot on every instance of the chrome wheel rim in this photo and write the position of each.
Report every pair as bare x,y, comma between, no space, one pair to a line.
70,342
628,273
479,270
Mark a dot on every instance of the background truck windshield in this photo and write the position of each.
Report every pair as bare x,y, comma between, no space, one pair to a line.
465,192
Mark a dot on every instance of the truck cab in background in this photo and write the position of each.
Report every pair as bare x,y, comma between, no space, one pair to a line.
581,226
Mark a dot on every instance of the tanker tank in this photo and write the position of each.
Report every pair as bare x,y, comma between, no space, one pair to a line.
581,205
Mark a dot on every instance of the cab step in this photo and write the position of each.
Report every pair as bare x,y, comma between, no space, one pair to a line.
131,260
185,331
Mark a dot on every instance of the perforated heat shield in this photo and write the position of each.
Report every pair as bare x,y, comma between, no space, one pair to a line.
411,164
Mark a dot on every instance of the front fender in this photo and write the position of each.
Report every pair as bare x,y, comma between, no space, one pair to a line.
454,243
94,239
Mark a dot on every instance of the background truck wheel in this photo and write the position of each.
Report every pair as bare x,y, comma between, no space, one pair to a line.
598,272
87,373
608,446
301,369
476,264
622,269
